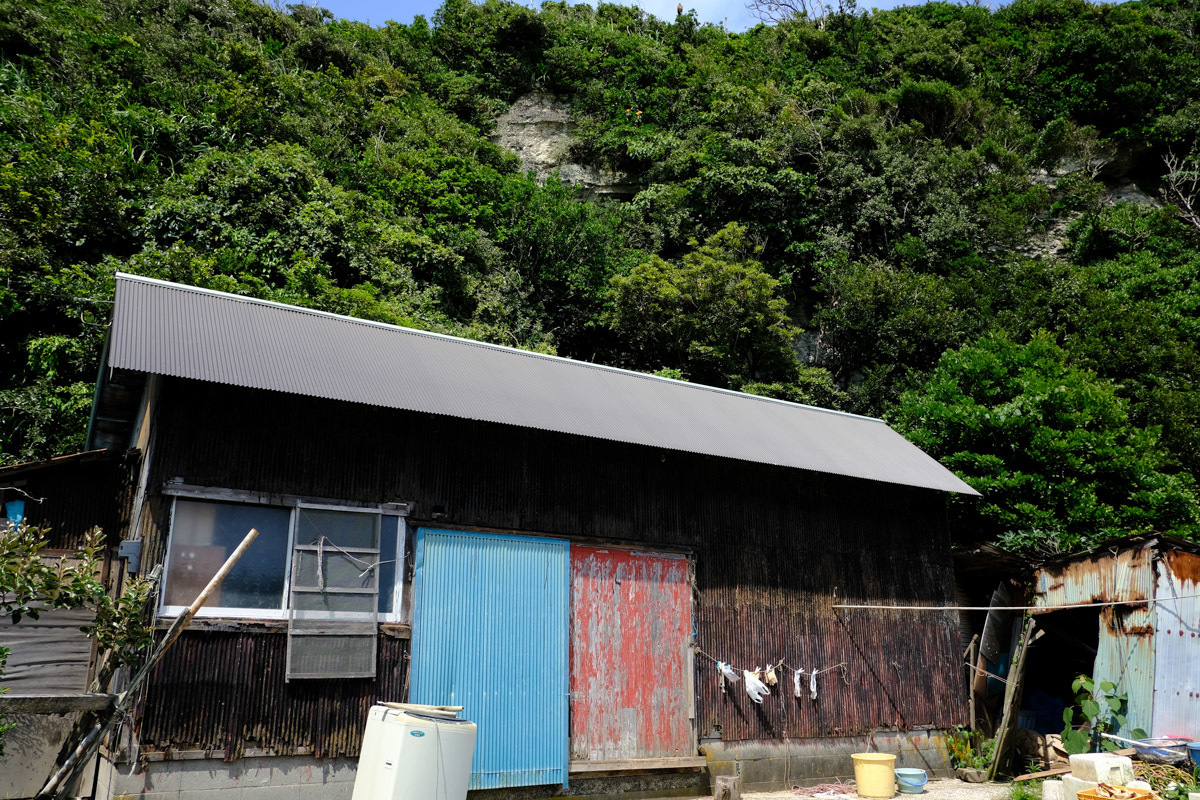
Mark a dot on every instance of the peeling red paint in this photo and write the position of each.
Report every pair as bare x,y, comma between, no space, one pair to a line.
630,623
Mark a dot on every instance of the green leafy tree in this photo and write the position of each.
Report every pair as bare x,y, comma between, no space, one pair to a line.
716,317
1048,445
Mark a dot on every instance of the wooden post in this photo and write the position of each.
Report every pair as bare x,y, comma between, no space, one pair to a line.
1012,700
971,662
57,785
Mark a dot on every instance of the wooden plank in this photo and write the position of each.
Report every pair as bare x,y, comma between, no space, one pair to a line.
54,703
1046,773
216,754
635,764
1012,701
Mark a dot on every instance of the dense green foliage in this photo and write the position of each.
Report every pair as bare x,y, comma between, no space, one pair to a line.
888,182
1048,444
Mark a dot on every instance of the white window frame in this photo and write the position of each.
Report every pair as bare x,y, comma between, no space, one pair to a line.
292,504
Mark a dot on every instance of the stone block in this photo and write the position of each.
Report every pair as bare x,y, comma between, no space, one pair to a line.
213,794
1102,768
763,774
154,778
729,787
1072,786
1053,790
206,774
971,775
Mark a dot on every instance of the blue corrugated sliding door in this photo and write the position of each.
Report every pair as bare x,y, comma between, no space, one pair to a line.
490,619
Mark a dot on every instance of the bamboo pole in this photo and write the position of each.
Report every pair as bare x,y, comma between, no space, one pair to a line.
64,777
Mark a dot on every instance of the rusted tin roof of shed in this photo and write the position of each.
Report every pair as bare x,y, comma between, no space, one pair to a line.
172,329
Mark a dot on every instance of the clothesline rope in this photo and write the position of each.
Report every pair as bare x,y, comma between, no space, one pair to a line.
841,666
1022,608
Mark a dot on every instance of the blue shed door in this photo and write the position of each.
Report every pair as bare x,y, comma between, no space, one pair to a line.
490,619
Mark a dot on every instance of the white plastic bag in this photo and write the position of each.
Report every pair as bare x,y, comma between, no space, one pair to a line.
812,685
754,687
727,672
797,688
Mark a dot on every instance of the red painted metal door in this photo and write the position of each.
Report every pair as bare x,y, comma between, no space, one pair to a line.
630,678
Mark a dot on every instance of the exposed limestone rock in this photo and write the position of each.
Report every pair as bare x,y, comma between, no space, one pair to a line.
538,129
1052,242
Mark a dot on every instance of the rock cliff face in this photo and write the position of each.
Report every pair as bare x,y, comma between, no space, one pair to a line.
538,129
1119,188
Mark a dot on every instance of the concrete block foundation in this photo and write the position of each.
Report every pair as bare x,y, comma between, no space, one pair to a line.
759,765
266,778
772,765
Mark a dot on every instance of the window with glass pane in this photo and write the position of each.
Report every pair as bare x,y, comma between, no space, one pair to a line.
204,533
390,545
335,594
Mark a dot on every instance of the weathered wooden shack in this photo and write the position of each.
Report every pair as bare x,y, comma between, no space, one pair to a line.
565,549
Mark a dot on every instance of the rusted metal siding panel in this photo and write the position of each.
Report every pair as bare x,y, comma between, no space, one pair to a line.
73,494
1125,654
1100,577
771,544
630,630
225,692
1177,666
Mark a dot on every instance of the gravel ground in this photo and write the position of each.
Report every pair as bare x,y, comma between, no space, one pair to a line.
934,790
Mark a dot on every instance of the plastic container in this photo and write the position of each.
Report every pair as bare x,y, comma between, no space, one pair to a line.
1193,749
911,781
1163,750
1096,794
875,775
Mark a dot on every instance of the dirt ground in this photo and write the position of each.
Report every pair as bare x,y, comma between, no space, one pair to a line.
934,790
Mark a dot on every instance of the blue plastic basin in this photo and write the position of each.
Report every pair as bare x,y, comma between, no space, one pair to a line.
911,781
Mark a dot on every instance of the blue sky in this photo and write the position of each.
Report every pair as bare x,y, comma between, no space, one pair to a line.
377,12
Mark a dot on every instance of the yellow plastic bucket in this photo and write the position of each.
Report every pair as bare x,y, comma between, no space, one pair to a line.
875,775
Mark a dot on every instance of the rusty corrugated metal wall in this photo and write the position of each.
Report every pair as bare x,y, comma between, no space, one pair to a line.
77,493
226,691
1177,656
1125,653
774,547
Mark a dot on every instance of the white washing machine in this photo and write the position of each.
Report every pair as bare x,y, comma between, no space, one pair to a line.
415,752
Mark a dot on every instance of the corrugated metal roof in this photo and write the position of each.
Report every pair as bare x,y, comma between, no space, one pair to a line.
172,329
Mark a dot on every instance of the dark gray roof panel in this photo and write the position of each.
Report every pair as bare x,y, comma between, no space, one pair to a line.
171,329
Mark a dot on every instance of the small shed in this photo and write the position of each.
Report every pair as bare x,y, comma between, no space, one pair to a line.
564,548
1134,621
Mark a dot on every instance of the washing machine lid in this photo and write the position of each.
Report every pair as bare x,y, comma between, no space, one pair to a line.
435,718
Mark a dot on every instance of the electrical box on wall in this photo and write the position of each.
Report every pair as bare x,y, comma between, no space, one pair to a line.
131,551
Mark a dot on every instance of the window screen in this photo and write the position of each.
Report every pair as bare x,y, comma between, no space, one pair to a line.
335,595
